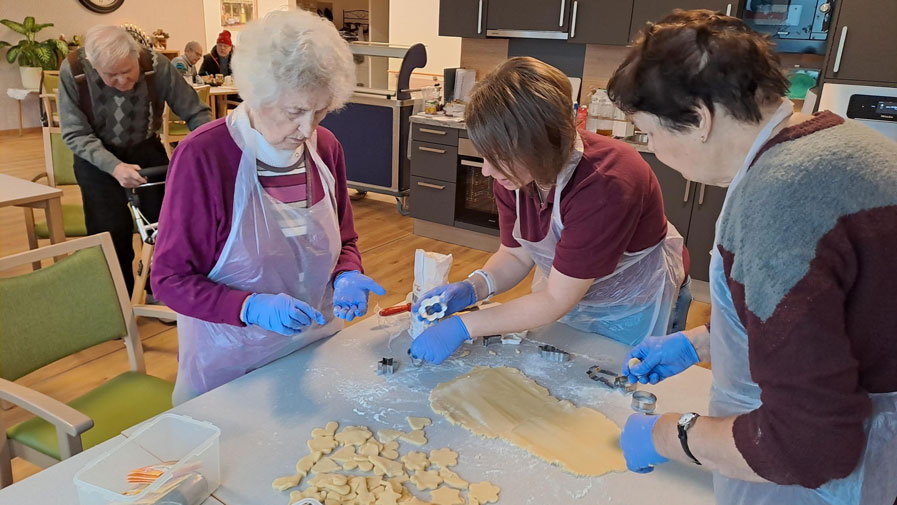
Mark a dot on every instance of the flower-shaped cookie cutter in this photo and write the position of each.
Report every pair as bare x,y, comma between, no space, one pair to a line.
432,309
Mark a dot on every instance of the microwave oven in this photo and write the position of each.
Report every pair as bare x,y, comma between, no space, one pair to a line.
796,26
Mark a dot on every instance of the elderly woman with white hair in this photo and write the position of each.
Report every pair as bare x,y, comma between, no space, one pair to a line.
111,96
257,247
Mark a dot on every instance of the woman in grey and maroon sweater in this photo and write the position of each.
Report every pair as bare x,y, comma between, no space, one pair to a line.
803,407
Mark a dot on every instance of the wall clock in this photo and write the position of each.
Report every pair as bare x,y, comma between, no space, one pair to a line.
102,6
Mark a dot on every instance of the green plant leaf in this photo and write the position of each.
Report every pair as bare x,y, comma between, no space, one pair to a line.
40,27
13,54
59,45
4,43
29,24
12,25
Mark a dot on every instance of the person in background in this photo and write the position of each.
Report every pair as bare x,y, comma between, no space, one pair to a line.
111,96
186,63
218,61
256,249
584,209
803,282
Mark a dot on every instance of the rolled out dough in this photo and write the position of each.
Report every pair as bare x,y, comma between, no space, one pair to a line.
502,402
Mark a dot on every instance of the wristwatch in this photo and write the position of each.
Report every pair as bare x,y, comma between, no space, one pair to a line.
685,423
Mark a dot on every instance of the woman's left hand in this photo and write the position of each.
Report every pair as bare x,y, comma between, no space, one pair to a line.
350,294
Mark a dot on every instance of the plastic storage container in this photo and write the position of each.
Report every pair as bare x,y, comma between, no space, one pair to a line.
193,444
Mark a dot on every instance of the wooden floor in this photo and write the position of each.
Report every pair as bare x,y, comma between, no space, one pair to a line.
386,243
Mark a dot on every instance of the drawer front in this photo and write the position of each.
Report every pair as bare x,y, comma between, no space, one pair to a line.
437,134
434,161
433,200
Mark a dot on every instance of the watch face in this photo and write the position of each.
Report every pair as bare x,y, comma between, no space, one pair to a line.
687,419
102,6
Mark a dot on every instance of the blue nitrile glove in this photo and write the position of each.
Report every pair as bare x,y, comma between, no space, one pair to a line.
280,313
661,357
440,340
637,444
457,296
350,294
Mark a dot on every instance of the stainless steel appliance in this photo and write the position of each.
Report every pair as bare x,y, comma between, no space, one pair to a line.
874,106
474,201
796,26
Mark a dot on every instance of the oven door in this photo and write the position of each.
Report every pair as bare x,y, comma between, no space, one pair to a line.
796,26
474,201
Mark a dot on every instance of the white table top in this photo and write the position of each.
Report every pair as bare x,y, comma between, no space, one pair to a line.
224,90
266,416
16,191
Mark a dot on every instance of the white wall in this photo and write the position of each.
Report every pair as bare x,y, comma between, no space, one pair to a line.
212,13
182,19
413,21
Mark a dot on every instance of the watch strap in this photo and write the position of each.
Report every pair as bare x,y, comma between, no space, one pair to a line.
683,439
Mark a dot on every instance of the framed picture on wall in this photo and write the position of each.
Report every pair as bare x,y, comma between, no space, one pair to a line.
236,13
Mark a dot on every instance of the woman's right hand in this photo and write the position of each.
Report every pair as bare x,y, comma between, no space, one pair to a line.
280,313
661,357
456,296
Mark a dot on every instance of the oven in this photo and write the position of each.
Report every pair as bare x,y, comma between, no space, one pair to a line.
796,26
474,201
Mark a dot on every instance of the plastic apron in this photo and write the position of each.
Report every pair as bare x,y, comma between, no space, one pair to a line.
257,257
627,305
734,392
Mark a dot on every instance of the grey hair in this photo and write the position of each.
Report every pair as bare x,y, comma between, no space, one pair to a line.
105,45
193,45
288,50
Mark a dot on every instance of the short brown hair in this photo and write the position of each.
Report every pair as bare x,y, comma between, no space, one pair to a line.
698,57
522,113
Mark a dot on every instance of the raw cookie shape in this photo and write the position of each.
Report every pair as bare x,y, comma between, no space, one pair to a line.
502,402
452,479
346,453
416,461
388,466
443,458
288,481
370,448
416,437
386,435
426,480
365,466
446,496
323,444
483,492
304,465
413,500
353,435
325,465
390,450
326,431
418,423
388,497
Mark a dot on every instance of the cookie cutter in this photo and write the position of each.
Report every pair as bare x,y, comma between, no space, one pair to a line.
491,339
644,402
417,362
387,366
552,353
610,379
432,309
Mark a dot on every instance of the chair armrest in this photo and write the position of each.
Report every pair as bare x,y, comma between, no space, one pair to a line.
60,415
39,177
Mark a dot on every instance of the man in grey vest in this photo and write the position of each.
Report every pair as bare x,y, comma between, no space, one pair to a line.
186,63
111,97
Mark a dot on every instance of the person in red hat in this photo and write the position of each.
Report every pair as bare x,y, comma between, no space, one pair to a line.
218,59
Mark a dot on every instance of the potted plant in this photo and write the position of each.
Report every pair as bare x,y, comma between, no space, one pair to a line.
33,56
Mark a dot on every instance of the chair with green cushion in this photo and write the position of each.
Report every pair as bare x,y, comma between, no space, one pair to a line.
48,314
59,161
174,129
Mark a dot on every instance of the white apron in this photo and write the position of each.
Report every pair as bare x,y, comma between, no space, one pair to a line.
733,392
631,303
257,257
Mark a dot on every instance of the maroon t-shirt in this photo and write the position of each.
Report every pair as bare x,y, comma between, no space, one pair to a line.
611,205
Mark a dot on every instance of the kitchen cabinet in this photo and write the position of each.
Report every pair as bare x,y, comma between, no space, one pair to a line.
863,41
644,11
693,209
528,15
463,18
434,173
600,21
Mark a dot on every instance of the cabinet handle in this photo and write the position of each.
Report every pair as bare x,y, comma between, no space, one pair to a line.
431,150
573,20
480,18
434,132
431,186
468,163
561,15
701,194
687,190
840,50
729,10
